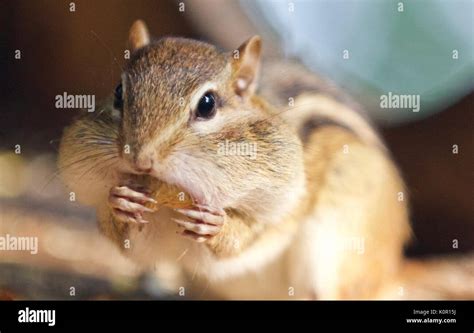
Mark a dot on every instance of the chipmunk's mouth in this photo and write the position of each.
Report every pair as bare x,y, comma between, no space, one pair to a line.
180,180
196,183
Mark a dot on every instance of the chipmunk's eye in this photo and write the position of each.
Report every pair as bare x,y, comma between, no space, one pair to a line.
206,107
118,100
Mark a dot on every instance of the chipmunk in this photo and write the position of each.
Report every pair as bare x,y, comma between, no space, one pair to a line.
319,212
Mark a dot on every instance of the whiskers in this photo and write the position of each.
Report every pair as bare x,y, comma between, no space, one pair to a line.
96,154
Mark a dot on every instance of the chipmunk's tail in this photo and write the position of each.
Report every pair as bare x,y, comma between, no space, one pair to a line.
448,278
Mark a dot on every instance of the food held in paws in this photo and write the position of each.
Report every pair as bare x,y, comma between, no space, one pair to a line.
164,193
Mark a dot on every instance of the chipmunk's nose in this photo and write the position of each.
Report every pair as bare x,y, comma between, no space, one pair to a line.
143,163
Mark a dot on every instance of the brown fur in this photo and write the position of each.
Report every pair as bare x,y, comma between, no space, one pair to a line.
322,177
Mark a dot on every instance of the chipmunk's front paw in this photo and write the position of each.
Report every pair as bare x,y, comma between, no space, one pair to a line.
202,223
128,204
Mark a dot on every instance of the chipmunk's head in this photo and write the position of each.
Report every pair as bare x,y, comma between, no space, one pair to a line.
189,117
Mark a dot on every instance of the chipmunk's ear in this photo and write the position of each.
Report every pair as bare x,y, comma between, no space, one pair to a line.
246,66
138,36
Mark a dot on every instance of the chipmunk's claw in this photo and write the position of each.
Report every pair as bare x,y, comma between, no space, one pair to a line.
208,217
128,204
201,224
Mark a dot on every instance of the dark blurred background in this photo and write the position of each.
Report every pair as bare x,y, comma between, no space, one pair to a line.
81,52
